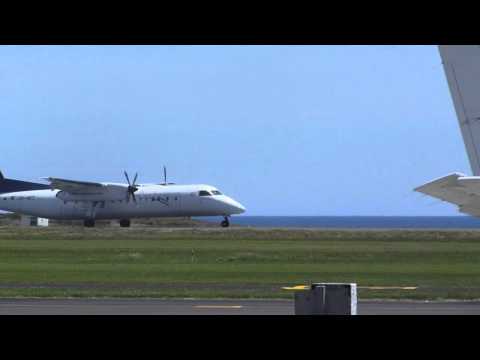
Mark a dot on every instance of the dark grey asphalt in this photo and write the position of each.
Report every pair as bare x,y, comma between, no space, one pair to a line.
217,307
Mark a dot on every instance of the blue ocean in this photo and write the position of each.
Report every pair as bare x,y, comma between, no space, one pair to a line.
357,222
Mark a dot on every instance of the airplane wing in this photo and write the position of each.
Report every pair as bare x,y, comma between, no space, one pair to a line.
87,189
458,189
461,64
73,185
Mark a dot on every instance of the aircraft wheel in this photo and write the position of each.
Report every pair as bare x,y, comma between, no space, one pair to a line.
124,223
89,223
225,222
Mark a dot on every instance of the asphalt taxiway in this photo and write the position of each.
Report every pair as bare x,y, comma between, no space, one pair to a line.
217,307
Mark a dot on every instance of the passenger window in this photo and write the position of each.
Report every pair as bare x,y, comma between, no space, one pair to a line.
204,193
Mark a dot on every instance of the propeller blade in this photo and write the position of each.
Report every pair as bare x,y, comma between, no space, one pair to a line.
128,179
131,187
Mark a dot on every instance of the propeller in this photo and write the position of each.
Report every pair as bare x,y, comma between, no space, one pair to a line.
165,177
132,188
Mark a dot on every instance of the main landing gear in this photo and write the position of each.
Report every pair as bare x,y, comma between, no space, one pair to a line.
225,222
89,223
125,223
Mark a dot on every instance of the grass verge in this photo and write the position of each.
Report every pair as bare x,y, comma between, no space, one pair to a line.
234,263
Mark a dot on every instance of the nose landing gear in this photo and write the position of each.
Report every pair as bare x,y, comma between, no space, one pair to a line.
89,223
225,222
125,223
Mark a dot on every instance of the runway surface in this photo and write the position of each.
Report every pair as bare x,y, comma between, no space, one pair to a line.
217,307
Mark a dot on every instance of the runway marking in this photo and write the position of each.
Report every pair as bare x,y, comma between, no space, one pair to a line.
218,306
388,287
306,287
295,288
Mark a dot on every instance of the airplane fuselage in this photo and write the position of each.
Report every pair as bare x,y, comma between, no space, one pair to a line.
151,201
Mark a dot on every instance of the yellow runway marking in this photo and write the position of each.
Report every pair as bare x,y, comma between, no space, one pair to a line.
300,287
306,287
218,306
388,287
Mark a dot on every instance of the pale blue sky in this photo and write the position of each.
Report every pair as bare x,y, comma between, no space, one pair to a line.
286,130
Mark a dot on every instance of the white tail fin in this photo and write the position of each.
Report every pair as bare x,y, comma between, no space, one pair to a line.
462,68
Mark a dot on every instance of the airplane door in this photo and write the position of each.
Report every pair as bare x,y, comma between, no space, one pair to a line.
176,202
87,208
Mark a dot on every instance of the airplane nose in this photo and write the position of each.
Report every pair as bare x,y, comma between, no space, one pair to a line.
235,207
240,208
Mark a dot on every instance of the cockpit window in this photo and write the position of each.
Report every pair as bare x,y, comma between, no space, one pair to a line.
216,192
204,193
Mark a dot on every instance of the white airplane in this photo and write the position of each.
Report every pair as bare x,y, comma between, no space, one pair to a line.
462,68
88,201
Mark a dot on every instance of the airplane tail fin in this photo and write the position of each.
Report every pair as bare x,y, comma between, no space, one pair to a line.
462,69
11,185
